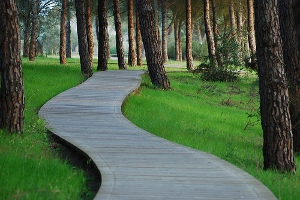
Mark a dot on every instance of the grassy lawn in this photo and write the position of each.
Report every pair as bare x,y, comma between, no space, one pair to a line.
29,167
218,118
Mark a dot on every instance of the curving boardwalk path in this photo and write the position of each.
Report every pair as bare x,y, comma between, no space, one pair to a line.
133,163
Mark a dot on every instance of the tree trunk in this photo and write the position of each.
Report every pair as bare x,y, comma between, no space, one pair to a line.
189,36
199,33
156,19
103,38
132,51
296,11
68,39
62,49
232,18
177,54
119,35
12,87
32,49
251,30
68,32
152,46
89,30
216,34
26,45
180,41
139,43
164,32
85,61
209,35
273,89
292,65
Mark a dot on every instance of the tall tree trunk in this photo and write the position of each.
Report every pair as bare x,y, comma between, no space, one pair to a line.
152,46
180,41
68,39
296,11
12,87
216,34
132,51
209,35
139,43
232,18
68,32
164,31
176,27
85,61
240,22
62,49
32,49
199,33
89,30
251,30
156,19
103,38
292,65
189,36
26,36
273,89
119,35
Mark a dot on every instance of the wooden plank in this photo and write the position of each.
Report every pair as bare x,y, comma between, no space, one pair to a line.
135,164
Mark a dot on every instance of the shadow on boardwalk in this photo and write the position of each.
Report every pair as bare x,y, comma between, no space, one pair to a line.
133,163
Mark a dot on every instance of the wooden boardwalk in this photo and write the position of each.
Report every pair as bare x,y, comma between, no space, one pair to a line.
133,163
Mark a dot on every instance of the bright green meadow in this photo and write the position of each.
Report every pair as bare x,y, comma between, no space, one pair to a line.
215,117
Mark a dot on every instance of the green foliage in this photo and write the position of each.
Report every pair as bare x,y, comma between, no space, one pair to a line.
29,169
212,117
229,51
229,55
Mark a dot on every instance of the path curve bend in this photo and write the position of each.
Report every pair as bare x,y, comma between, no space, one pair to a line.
135,164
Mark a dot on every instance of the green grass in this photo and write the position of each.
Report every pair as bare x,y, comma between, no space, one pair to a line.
218,118
29,168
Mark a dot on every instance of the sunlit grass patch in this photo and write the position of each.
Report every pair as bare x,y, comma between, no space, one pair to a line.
29,168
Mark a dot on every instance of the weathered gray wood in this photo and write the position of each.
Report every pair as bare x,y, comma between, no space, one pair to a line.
133,163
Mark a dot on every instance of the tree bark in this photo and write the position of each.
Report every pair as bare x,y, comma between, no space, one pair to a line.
189,36
119,35
12,102
199,33
292,65
68,39
139,43
89,30
209,35
62,49
251,30
85,62
32,49
164,32
68,32
296,11
103,38
132,51
216,34
152,46
177,54
232,18
26,45
273,89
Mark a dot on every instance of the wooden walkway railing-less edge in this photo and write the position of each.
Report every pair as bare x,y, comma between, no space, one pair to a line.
133,163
